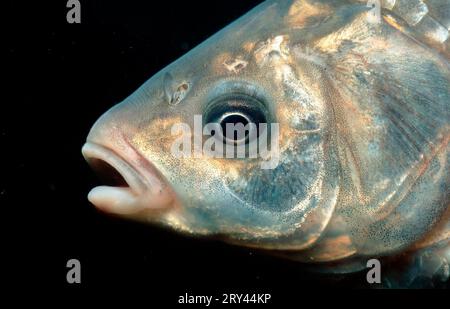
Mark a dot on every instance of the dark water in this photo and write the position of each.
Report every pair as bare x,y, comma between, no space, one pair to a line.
61,78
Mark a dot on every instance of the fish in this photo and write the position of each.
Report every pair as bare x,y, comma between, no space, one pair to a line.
358,93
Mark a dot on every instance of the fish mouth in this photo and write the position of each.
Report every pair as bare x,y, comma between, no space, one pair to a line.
131,186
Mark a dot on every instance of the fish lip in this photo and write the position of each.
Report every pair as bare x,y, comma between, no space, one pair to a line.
147,196
134,179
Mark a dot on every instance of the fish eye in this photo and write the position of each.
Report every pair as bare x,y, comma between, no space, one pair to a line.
233,119
234,112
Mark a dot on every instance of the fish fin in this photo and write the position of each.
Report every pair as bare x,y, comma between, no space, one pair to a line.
426,263
440,10
426,268
425,20
429,20
412,11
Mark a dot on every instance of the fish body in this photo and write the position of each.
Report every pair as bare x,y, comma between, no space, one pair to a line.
360,95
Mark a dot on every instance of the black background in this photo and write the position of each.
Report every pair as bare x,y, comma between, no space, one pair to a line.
60,78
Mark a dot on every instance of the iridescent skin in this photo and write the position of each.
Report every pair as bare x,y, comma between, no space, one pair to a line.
364,112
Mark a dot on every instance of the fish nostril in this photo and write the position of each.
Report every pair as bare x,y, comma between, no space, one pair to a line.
108,174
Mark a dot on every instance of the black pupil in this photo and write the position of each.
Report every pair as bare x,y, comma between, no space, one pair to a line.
233,119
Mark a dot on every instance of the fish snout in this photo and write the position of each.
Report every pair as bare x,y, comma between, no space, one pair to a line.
132,184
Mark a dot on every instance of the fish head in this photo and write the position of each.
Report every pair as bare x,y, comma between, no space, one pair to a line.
353,118
246,74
